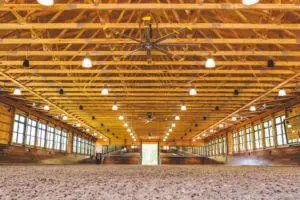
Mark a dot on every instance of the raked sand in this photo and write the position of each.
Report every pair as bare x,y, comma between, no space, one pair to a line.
120,182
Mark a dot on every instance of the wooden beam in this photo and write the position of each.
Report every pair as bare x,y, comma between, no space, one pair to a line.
16,26
138,71
145,63
147,6
122,41
154,53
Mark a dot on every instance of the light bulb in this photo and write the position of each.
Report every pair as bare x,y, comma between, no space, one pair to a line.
104,91
65,118
121,117
164,140
252,108
204,134
282,93
193,92
87,62
221,125
115,107
249,2
170,130
183,107
210,63
177,118
211,130
129,130
46,2
233,119
17,92
167,134
125,125
87,130
78,125
173,125
46,107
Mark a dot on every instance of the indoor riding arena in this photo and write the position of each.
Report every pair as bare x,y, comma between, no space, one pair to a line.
149,99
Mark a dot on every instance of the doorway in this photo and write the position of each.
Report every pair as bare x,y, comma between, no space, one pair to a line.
150,154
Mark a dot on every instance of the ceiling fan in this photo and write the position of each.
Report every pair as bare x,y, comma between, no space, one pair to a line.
149,44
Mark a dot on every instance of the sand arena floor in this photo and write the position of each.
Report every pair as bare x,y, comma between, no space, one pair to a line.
139,182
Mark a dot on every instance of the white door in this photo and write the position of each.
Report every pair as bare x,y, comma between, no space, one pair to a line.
149,154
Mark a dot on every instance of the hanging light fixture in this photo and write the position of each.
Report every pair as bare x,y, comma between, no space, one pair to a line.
46,2
104,91
121,117
115,107
211,130
210,63
46,107
87,62
193,92
249,2
125,125
170,130
78,125
128,130
65,118
221,125
282,93
183,107
87,130
17,92
252,108
233,119
177,118
25,63
173,125
167,134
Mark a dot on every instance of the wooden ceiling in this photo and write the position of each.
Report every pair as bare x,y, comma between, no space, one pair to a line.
240,39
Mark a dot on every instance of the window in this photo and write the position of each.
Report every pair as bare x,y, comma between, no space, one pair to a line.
235,142
224,145
280,130
249,139
41,135
269,140
75,144
221,146
19,129
64,139
50,137
242,140
30,132
57,139
258,136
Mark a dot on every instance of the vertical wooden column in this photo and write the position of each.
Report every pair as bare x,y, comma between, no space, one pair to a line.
245,139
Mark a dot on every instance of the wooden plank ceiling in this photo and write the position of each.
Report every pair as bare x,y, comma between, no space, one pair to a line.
240,39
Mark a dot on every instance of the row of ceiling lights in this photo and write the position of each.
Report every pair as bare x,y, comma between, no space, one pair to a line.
51,2
281,93
131,133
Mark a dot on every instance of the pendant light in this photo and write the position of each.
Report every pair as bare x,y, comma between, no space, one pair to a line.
121,117
87,62
193,92
173,125
249,2
46,107
25,63
183,107
17,92
78,125
46,2
210,63
125,125
177,117
65,118
252,108
170,130
104,91
233,119
282,93
115,107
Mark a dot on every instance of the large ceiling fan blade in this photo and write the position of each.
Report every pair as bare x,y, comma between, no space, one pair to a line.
149,57
179,58
171,34
132,52
126,36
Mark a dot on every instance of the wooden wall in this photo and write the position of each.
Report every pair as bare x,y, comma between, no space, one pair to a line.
6,113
